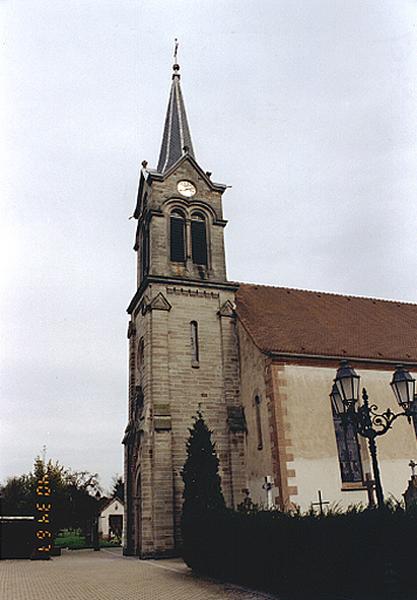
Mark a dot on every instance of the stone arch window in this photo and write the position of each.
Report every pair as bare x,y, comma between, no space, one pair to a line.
140,359
257,403
195,354
138,403
177,236
349,452
136,516
199,239
145,251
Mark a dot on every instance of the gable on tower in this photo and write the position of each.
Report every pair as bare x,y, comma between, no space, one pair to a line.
186,165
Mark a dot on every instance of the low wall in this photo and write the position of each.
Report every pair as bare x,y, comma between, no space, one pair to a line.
16,537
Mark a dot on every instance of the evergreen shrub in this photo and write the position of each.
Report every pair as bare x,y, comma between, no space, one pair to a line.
202,491
363,553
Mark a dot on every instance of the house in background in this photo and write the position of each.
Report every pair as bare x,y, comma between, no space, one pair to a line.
110,522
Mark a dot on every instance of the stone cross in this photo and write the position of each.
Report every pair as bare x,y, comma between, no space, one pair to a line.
370,487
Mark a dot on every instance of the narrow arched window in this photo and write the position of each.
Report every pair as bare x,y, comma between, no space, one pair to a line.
194,344
348,450
199,239
177,236
258,422
140,359
145,251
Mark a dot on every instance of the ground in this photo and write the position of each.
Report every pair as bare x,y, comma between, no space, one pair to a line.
107,575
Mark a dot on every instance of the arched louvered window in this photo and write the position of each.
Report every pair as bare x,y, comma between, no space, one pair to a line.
258,422
194,344
199,239
177,236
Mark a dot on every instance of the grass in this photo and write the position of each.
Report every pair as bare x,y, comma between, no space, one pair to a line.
75,541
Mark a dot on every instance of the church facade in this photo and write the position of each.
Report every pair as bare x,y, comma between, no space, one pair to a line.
258,361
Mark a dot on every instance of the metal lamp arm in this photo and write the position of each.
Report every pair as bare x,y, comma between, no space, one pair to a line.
371,424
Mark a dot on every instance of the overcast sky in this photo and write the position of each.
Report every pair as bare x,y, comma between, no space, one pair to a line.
307,108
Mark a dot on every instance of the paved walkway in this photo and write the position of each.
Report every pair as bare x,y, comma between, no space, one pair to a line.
107,575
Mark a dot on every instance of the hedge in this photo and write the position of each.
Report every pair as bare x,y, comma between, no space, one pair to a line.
359,552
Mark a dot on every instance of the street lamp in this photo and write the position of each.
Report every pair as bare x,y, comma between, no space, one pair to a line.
404,388
347,383
366,421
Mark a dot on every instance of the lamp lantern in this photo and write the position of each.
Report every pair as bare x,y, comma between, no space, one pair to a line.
403,385
337,401
347,383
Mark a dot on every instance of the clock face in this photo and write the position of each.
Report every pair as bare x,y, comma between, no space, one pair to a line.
186,188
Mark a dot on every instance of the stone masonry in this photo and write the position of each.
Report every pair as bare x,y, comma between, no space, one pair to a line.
167,387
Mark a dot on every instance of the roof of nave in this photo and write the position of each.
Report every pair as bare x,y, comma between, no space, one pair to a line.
292,321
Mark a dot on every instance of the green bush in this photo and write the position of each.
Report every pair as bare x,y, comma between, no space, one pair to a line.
74,540
70,539
359,552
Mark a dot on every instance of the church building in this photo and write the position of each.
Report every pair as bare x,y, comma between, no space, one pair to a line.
258,361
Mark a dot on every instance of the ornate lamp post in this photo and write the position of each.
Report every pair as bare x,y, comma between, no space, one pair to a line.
367,422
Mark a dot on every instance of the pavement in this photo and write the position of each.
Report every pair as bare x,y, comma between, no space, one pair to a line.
107,575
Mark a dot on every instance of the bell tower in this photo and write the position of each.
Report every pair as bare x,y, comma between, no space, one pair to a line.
183,354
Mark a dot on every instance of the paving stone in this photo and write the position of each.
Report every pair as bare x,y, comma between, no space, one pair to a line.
107,575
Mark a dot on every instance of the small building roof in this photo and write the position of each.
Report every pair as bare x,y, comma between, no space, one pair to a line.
106,502
291,321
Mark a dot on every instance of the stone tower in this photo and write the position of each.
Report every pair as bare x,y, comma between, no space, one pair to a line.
183,352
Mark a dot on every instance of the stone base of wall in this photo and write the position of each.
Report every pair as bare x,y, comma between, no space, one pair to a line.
174,553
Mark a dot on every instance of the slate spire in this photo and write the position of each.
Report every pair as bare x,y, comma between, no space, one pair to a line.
176,139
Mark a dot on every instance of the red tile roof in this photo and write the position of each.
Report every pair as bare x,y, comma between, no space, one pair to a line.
284,320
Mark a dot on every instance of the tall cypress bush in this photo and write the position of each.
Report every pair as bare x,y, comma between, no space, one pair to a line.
202,491
202,485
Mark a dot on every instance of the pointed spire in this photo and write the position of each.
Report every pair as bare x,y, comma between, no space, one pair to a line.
176,139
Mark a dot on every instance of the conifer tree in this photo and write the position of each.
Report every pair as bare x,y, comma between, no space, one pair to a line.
202,485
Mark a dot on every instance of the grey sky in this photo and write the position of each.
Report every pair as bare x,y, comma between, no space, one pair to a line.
307,108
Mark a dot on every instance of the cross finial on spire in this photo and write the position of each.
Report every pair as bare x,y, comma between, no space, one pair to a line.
175,50
176,134
176,66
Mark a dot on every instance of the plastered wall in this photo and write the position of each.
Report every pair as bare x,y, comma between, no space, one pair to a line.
258,461
315,465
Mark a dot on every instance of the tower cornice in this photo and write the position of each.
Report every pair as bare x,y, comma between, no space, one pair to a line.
178,281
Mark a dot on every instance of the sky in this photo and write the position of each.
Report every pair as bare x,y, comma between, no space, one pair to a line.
307,108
